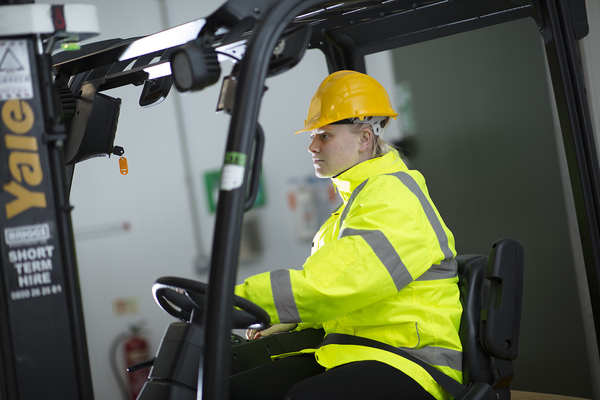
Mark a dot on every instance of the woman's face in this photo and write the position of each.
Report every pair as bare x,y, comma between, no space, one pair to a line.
335,148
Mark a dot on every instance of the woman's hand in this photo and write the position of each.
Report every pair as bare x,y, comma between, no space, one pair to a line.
252,334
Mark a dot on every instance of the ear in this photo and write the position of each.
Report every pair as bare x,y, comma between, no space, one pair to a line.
364,141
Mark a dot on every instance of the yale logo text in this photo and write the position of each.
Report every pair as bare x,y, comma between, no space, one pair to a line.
23,159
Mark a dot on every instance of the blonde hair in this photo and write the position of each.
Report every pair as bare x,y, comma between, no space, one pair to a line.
380,146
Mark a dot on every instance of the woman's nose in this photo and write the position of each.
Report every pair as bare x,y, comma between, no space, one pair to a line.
312,147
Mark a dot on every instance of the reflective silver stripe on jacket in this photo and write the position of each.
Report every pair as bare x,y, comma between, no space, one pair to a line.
448,268
414,187
380,245
285,304
350,201
445,270
386,253
437,356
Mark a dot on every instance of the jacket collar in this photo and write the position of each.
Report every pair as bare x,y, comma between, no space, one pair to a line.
348,180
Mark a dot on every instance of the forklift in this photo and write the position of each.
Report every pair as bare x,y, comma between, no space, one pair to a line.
55,115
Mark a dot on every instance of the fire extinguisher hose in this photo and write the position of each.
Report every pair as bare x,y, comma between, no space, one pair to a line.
112,359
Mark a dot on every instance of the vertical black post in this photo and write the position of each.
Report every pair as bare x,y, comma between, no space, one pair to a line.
219,303
42,336
560,30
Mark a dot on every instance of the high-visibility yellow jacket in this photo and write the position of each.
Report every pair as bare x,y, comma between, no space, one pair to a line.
382,267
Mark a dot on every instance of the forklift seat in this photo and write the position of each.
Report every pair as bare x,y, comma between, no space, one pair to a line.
491,291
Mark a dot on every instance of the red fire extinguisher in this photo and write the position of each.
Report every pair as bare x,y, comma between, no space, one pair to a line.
136,351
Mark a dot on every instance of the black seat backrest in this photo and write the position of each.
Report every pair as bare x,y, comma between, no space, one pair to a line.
491,290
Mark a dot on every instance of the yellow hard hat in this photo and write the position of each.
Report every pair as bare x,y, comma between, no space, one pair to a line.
347,94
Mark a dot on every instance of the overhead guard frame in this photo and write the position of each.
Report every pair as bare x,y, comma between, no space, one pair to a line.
561,25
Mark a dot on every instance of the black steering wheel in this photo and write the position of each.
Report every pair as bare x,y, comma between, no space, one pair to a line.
184,299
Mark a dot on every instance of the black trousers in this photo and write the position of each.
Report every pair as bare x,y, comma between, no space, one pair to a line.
302,378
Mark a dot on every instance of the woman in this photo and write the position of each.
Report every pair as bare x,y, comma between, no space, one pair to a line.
382,267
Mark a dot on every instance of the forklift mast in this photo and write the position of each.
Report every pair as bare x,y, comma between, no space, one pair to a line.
41,325
43,349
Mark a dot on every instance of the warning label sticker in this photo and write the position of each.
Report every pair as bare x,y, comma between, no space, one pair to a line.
31,256
27,235
15,72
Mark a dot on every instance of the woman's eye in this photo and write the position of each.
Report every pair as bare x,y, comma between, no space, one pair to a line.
321,136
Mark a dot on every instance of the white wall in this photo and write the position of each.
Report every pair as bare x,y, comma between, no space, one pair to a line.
159,196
